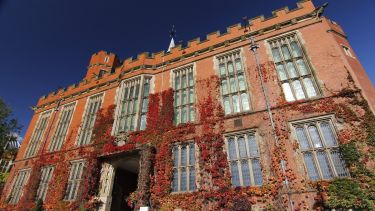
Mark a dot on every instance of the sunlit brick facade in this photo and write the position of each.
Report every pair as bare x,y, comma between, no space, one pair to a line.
307,63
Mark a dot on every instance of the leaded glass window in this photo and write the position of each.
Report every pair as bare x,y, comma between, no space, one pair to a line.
235,96
320,150
293,70
45,178
183,167
61,130
38,134
18,185
244,159
92,106
133,104
184,95
75,178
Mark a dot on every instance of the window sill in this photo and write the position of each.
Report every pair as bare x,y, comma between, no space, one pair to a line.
327,180
234,115
247,187
184,192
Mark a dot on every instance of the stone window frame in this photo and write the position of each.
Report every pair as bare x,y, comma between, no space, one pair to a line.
76,170
317,121
279,41
142,103
245,134
180,72
347,51
188,165
38,133
236,54
87,129
45,178
18,185
60,134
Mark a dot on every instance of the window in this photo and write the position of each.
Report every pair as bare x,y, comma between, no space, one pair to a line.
106,59
18,185
38,134
133,104
319,147
183,167
347,51
92,106
293,69
101,73
184,95
4,165
243,157
62,127
46,175
233,84
75,177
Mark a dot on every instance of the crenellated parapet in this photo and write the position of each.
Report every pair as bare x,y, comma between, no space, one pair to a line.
105,68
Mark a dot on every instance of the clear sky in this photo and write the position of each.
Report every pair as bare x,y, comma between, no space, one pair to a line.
46,44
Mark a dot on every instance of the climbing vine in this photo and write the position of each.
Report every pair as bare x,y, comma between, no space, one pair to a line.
214,189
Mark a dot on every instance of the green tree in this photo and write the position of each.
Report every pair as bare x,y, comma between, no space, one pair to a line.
9,127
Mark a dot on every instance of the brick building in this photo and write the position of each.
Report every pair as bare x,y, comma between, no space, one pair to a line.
189,128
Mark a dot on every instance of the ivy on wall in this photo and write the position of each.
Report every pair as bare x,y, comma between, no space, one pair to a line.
215,192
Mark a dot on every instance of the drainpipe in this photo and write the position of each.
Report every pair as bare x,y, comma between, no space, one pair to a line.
254,48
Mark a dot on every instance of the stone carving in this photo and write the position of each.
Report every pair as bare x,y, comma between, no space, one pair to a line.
122,139
106,180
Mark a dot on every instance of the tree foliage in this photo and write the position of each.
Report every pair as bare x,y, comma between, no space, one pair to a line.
9,127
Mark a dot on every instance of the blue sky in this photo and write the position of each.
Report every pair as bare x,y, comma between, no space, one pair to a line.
47,44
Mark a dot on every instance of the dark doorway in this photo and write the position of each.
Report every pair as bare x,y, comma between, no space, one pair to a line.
124,184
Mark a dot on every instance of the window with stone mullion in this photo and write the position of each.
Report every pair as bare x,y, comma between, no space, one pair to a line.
293,70
244,160
46,175
184,95
133,104
62,127
183,167
37,136
233,84
144,107
18,186
93,105
319,147
75,177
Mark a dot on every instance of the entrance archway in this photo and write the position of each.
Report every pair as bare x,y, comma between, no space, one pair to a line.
125,182
119,178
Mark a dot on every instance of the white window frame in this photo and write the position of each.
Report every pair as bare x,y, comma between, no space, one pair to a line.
18,185
287,39
225,58
245,134
188,166
89,128
45,178
60,134
38,134
179,72
138,115
74,180
317,121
